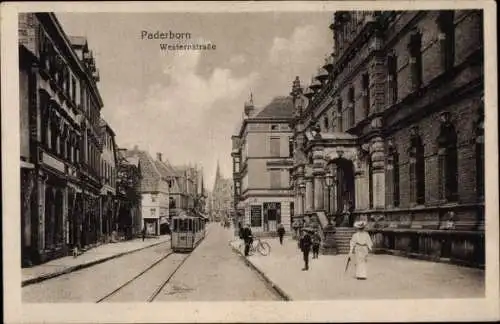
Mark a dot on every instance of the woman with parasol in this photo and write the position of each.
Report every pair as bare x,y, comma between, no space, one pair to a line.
360,245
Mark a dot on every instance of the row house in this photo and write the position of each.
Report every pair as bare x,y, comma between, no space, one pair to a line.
185,195
127,219
262,162
154,190
168,173
109,179
391,130
60,151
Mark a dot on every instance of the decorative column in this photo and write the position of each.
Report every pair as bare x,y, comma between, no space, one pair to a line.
359,184
298,194
309,191
65,216
378,176
389,180
42,178
319,180
333,194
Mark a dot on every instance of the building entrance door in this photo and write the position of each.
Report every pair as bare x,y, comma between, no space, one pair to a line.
272,211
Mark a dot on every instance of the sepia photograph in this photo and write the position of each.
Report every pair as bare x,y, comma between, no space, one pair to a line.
270,154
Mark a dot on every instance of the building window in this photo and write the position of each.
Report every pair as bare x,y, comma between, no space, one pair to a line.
415,49
274,127
326,123
392,78
275,146
339,115
351,104
153,198
396,191
365,93
417,168
370,182
53,136
255,216
393,167
446,38
153,212
292,210
290,147
448,160
62,140
275,176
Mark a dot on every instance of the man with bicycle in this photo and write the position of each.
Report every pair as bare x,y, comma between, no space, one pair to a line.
247,238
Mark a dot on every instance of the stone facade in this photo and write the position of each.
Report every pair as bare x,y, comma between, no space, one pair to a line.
60,150
395,118
109,177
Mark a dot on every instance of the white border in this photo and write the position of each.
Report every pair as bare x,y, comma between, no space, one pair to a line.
353,311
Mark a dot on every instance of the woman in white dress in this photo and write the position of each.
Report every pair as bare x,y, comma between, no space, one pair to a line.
361,244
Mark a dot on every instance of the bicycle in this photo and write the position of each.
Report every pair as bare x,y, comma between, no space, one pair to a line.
258,245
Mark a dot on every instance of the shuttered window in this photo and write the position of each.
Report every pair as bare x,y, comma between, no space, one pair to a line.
275,176
275,146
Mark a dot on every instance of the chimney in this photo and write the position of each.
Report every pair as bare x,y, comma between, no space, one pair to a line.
158,156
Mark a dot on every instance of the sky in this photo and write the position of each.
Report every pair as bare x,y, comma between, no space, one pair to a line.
187,104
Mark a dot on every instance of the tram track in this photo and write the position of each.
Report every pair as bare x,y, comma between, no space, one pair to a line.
128,282
147,270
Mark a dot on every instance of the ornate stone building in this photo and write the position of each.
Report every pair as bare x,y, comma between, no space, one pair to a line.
390,130
60,151
262,160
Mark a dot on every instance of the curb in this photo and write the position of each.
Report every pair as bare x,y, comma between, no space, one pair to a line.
268,281
44,277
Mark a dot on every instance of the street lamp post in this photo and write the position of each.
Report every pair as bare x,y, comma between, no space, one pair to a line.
302,192
329,185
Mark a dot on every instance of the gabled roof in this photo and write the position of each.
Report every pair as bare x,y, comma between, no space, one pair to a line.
149,172
279,107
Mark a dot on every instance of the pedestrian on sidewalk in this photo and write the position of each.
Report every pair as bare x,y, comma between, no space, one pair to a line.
305,246
316,241
143,233
247,238
281,232
361,244
240,231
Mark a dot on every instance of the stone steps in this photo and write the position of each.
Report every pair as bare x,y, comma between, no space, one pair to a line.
342,238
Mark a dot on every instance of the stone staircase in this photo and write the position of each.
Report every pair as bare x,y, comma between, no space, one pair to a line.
343,237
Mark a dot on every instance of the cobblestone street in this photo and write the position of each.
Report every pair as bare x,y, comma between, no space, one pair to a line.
211,272
215,273
90,284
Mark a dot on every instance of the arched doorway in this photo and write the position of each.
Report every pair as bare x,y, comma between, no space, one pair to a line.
344,190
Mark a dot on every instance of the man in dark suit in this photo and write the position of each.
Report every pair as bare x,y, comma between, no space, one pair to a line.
247,238
305,246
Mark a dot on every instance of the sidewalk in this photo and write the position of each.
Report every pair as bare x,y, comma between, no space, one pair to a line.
91,257
389,277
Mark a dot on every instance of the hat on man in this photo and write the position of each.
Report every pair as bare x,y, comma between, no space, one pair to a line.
360,224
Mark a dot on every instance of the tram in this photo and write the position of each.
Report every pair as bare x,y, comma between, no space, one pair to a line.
187,232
